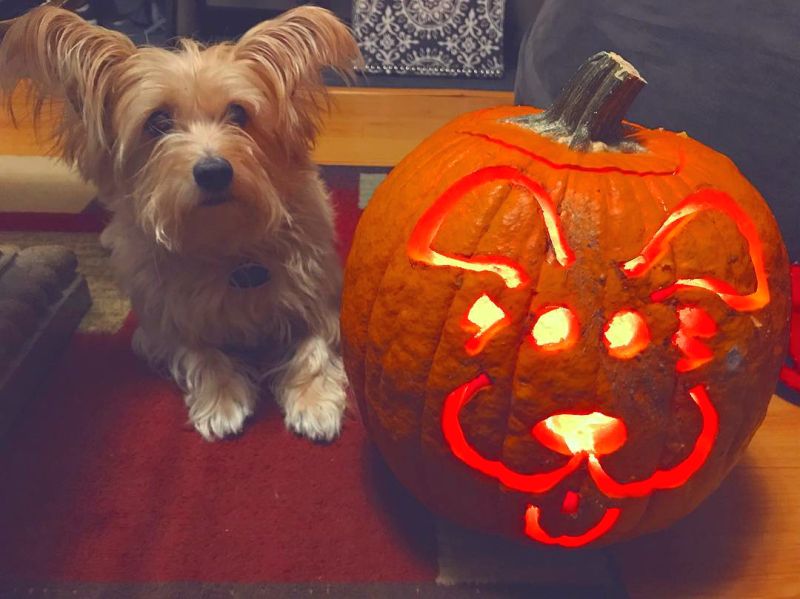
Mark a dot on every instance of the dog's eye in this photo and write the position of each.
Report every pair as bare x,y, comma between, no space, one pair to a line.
237,115
158,123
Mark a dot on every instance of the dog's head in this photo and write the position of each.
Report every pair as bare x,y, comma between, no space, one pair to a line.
190,138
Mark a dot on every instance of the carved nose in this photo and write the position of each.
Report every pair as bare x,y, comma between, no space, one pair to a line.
570,434
213,173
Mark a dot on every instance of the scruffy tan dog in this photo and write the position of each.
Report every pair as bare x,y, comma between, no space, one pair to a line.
222,232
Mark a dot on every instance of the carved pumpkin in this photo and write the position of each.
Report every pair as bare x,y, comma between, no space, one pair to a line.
561,326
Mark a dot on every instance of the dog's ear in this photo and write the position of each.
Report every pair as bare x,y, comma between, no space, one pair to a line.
289,53
63,56
295,47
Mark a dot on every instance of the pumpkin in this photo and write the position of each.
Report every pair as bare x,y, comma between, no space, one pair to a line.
561,326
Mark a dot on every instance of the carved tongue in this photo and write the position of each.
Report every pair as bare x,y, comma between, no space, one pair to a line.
573,434
571,502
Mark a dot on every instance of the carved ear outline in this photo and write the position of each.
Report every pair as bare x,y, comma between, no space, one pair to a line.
513,274
692,206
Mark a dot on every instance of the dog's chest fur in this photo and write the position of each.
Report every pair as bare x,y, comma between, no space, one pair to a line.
193,299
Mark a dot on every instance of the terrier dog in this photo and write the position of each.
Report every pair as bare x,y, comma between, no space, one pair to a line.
221,231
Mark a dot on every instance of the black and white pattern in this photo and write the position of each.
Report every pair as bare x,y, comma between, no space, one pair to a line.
455,38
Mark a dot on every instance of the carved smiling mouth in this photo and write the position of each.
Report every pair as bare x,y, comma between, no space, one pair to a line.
584,437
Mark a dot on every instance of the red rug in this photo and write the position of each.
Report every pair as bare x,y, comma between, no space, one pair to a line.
103,481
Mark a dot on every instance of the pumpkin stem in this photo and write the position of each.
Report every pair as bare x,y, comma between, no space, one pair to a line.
593,104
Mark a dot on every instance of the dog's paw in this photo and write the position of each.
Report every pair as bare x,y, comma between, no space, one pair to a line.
311,391
314,410
221,413
224,418
319,419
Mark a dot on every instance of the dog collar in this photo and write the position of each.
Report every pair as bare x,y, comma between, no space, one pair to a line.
248,276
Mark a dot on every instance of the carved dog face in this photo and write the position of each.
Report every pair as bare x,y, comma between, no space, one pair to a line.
585,435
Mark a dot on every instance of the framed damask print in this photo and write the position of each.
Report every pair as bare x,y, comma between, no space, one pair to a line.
441,38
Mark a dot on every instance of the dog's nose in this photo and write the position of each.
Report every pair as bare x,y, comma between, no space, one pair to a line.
570,434
213,173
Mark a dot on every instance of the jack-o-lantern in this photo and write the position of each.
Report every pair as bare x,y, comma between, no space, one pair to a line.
561,326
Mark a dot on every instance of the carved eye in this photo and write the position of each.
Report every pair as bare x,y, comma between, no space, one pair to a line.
484,319
626,335
159,123
556,329
237,115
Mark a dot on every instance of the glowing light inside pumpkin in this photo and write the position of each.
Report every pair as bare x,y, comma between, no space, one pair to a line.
556,329
485,318
626,335
571,502
420,244
695,324
572,434
693,205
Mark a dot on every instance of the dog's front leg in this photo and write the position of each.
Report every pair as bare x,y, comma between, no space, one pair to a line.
310,387
220,393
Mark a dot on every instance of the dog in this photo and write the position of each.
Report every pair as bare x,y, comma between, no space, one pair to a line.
221,230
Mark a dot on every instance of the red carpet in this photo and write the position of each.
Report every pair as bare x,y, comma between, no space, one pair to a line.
103,481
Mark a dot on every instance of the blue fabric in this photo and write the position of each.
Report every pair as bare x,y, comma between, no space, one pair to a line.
725,71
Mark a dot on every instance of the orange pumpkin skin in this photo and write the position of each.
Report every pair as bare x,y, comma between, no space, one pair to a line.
406,332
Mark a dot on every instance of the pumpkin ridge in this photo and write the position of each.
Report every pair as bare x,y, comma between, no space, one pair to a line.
426,409
656,193
577,167
399,253
403,239
531,285
676,187
741,416
650,188
604,209
741,439
625,523
522,331
456,144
